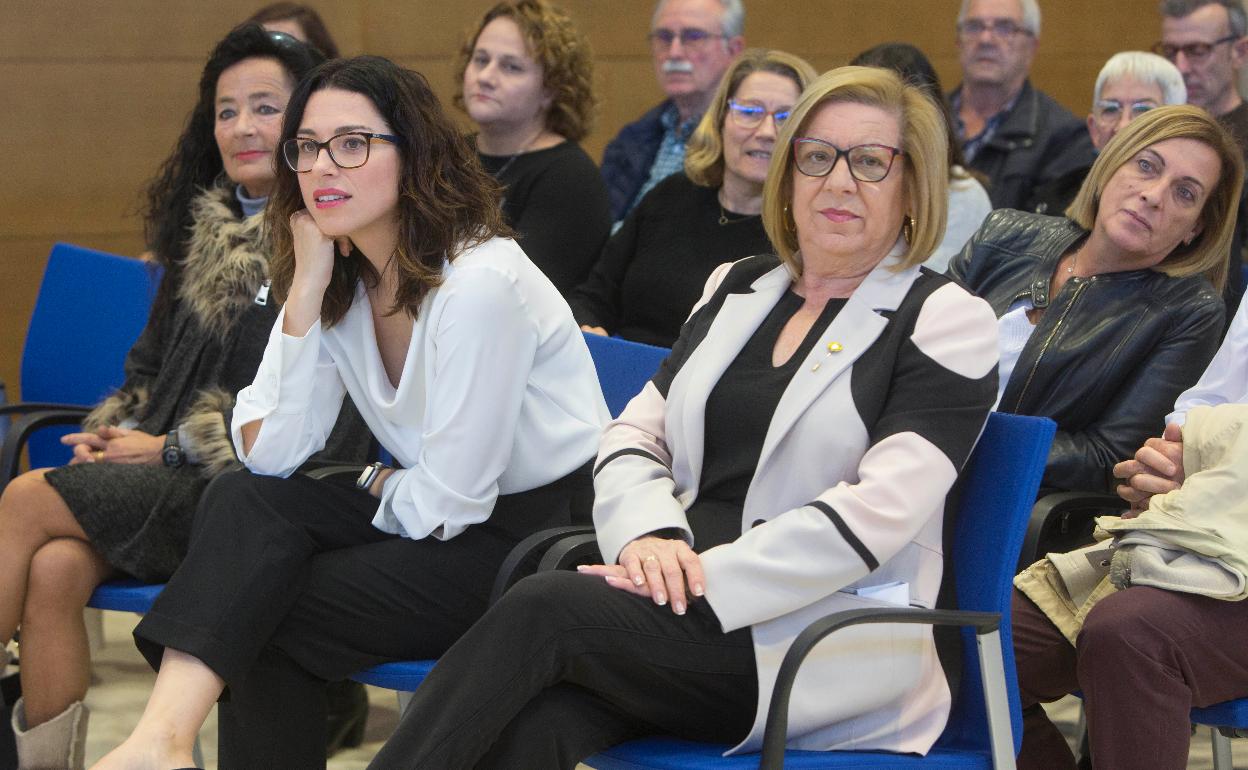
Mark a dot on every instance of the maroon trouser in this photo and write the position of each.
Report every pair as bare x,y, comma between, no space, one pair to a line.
1144,657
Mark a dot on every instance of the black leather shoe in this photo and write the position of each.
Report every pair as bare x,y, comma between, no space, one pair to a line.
348,716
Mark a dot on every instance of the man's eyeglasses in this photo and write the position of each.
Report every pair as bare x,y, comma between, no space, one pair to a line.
689,37
1109,111
349,150
753,115
1191,51
1002,28
867,162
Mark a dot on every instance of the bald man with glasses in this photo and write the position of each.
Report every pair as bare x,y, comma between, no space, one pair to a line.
1206,40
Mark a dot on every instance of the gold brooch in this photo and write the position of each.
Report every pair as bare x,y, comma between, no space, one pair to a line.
833,347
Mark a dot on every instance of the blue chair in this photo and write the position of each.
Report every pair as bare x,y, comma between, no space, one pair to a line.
1225,720
90,310
623,367
997,491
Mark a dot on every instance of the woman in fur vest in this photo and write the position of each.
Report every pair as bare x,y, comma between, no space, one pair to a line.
124,504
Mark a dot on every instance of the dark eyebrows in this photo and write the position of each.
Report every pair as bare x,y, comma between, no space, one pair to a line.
338,130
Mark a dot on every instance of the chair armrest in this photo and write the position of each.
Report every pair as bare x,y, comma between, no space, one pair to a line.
26,407
571,551
1059,512
528,551
329,471
20,431
987,637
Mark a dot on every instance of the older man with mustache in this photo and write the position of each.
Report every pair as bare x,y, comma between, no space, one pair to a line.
693,43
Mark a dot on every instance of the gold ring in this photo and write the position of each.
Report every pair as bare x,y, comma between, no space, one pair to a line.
99,455
651,557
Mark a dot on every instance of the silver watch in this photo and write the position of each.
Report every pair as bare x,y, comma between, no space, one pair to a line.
369,475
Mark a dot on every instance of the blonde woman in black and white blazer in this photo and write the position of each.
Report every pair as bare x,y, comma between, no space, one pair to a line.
790,459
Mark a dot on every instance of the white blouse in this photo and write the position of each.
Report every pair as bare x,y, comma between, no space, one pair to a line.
498,394
1014,328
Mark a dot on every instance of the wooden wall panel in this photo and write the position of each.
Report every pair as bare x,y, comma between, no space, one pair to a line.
97,92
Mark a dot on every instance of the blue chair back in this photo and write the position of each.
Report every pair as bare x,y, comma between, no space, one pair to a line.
999,486
623,367
997,490
90,310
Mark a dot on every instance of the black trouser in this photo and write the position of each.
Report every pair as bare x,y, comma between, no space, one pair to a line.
287,584
565,665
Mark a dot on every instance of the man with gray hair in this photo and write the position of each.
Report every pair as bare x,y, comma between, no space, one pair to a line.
1012,133
1206,40
1130,84
693,42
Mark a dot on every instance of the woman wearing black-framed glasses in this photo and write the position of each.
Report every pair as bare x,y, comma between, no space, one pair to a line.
653,269
402,289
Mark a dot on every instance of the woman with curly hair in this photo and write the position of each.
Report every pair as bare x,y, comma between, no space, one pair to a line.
402,289
526,79
124,505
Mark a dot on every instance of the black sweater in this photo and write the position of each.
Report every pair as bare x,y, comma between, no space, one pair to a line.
653,269
557,202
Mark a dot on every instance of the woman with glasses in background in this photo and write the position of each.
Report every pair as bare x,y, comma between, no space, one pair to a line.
653,269
525,77
402,289
1130,84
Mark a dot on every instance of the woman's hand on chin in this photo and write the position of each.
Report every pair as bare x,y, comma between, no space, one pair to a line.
314,253
655,567
314,267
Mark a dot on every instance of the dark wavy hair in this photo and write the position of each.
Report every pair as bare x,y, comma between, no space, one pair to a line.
195,163
564,55
447,202
306,17
915,68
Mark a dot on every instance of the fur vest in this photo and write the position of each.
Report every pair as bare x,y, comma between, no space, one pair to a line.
224,265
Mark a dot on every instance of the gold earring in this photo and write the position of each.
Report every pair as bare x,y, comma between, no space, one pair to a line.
789,224
907,229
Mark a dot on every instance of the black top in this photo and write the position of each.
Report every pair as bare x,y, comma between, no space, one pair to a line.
652,271
557,202
739,411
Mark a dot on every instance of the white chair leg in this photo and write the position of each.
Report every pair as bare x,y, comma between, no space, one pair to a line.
95,628
1221,750
405,700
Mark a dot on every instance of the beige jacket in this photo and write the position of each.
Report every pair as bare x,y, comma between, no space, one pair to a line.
1193,539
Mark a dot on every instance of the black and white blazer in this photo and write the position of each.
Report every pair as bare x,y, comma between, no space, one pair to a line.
849,491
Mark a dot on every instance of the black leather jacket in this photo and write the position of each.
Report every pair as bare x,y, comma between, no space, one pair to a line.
1111,352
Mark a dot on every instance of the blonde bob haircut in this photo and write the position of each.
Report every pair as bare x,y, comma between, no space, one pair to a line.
924,142
1206,254
704,152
